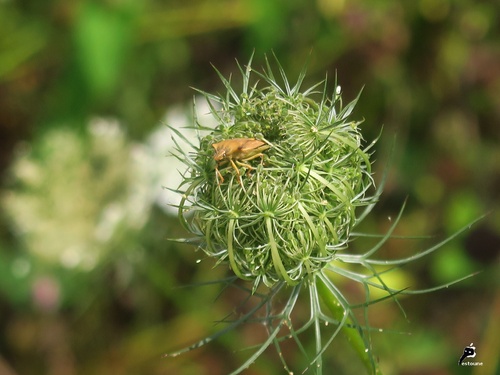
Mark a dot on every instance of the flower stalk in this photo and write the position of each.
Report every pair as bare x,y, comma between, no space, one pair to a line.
350,330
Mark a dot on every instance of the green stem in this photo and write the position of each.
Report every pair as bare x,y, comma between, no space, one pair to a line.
353,335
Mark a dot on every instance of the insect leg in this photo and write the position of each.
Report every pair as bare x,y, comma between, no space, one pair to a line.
237,170
248,166
259,155
219,175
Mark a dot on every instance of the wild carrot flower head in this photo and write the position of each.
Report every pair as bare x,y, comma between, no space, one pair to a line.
273,189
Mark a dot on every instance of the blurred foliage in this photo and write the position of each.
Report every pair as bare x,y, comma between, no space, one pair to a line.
430,74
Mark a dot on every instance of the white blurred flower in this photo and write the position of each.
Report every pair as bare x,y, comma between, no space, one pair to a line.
160,143
74,198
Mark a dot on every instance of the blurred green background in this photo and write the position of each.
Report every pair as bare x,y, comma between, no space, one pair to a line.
89,283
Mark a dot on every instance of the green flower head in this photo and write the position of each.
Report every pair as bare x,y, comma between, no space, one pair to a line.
273,188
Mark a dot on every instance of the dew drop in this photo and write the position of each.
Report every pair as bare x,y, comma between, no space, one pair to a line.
198,261
366,350
380,330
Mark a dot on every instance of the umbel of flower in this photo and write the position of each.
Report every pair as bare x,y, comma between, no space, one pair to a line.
283,215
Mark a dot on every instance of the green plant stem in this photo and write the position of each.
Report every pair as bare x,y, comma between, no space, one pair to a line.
349,329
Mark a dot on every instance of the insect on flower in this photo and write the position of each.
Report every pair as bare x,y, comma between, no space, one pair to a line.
237,151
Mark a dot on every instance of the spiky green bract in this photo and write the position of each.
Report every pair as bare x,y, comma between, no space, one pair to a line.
289,216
